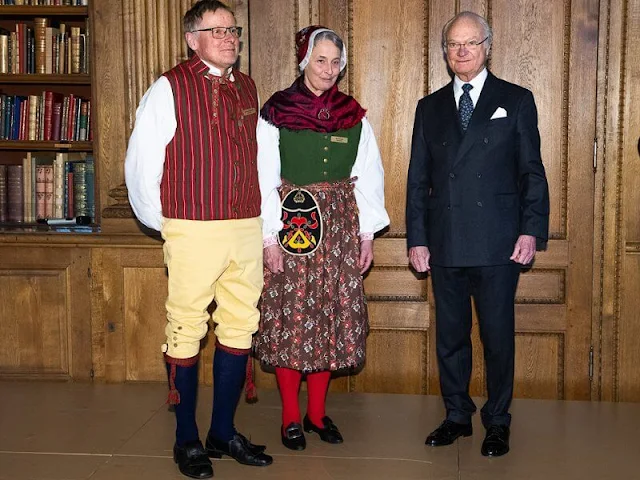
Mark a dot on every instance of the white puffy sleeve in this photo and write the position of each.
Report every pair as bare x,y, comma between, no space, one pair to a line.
144,164
369,187
269,179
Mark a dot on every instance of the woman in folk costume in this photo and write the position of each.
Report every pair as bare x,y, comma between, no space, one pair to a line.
322,187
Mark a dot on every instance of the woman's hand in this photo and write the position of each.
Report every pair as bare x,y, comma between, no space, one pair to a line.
274,259
366,255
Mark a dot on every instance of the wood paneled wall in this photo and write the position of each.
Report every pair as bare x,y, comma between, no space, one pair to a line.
579,302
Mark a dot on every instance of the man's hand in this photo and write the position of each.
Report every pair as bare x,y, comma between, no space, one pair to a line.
366,255
419,258
274,259
524,250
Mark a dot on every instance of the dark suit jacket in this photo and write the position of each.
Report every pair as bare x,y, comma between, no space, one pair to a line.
470,195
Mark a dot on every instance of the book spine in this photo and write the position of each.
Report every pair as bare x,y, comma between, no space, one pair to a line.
75,50
3,193
41,209
40,38
15,202
48,191
4,54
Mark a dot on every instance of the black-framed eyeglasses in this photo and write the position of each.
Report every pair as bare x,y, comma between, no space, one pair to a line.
221,32
471,44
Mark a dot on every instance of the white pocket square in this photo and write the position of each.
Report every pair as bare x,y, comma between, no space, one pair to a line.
499,113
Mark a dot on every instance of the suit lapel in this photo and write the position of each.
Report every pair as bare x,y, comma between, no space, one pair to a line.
487,104
450,114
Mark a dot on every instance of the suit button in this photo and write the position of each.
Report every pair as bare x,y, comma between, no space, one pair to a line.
444,144
479,175
325,174
326,148
486,140
452,175
479,204
448,207
325,160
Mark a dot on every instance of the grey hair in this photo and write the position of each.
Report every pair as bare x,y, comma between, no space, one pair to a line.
480,20
332,37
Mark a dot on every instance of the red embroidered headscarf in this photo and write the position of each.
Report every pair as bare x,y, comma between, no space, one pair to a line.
297,108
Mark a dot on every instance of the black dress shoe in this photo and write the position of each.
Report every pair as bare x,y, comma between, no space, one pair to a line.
240,449
293,438
329,433
496,443
447,433
192,460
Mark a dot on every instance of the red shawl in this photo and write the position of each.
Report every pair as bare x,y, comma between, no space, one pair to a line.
297,108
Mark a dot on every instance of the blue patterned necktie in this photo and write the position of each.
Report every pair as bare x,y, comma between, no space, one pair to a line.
465,107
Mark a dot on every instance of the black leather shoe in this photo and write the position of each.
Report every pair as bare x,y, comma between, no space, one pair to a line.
496,442
293,438
329,433
447,433
192,460
240,449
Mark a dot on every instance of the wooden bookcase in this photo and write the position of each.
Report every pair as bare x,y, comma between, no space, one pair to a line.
79,85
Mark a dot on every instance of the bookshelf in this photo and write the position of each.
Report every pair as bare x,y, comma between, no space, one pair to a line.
46,134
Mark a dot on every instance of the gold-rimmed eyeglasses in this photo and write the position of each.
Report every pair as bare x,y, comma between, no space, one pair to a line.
471,44
221,32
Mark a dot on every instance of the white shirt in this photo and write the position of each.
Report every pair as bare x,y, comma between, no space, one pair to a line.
474,93
155,127
369,187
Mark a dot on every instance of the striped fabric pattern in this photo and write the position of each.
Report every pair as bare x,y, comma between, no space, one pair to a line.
210,170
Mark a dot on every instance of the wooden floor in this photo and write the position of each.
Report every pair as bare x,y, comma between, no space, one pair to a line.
68,431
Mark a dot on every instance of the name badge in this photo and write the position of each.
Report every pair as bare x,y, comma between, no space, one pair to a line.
336,139
249,111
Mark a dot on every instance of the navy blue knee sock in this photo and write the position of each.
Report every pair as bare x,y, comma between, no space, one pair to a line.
229,368
186,385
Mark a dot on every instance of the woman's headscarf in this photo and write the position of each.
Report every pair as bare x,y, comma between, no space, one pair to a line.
297,108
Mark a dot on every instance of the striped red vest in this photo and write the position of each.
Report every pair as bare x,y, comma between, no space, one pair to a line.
210,169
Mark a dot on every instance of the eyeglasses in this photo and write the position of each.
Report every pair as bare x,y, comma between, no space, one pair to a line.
471,44
221,32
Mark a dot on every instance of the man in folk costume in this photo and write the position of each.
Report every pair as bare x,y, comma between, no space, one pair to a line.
322,183
192,174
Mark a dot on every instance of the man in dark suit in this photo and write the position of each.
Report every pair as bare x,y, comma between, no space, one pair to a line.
477,205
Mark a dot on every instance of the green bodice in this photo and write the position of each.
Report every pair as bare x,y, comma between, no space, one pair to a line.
309,157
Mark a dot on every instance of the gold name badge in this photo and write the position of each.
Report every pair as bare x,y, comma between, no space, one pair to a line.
249,111
336,139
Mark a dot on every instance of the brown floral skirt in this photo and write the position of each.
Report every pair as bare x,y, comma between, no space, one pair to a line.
314,315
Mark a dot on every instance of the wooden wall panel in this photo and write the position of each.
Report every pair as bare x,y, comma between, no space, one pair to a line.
44,313
273,59
396,363
145,292
539,366
111,97
380,85
627,330
35,325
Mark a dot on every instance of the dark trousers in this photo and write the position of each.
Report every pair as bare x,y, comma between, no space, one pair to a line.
493,289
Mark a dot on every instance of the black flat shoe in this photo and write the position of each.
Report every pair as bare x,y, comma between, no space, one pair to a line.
447,433
496,442
240,449
329,433
192,460
293,438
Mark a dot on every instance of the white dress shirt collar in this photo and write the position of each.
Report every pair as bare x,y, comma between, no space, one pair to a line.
477,82
216,71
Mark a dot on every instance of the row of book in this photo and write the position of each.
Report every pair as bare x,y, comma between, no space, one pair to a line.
47,188
47,117
38,3
44,49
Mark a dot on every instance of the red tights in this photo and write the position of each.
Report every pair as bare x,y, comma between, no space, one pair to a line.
289,385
